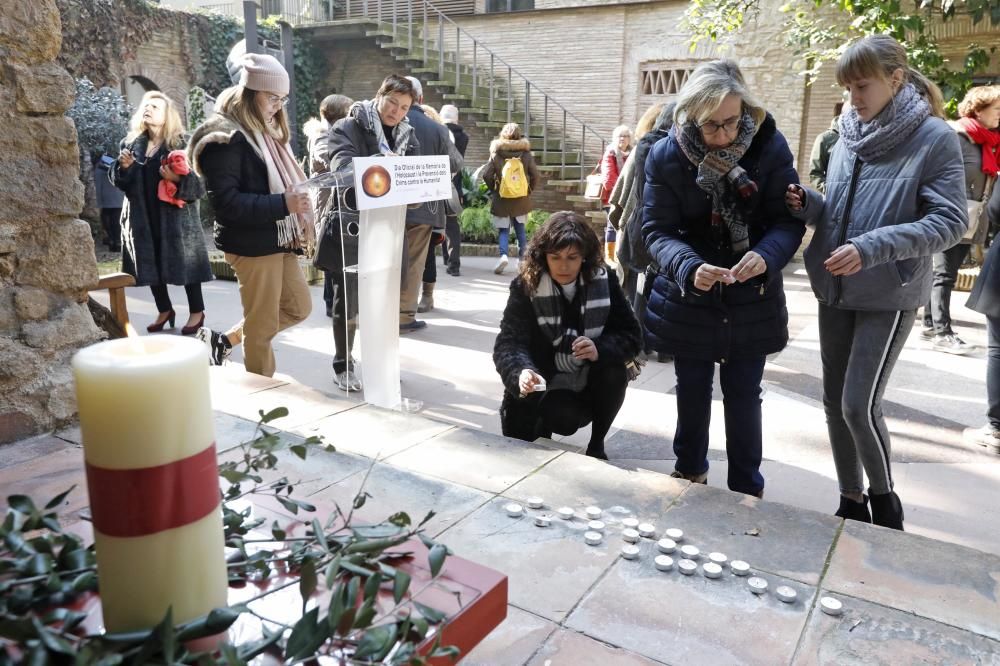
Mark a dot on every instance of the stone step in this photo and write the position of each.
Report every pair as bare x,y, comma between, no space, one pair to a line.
580,199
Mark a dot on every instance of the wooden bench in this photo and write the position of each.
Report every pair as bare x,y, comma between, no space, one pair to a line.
115,283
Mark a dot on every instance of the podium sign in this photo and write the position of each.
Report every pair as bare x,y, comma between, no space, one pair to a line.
382,182
384,186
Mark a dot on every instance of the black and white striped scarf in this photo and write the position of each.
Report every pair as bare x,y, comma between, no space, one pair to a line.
594,301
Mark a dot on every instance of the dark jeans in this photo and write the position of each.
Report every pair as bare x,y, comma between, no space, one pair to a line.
564,412
638,301
328,289
344,299
993,371
162,297
937,313
740,380
453,231
503,237
111,222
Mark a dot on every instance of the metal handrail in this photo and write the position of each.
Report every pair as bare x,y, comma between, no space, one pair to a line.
306,11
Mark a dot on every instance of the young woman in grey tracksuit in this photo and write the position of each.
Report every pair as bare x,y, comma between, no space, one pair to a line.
895,195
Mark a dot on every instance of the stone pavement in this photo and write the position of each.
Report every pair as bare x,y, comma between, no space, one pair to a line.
907,598
950,490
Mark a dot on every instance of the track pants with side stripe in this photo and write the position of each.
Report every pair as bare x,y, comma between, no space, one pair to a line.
859,350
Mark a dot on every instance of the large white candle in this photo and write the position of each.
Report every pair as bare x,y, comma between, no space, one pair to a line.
152,476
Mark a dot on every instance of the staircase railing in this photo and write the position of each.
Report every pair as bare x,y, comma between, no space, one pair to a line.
537,101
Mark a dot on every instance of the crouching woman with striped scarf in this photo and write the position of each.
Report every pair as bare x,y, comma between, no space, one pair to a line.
565,337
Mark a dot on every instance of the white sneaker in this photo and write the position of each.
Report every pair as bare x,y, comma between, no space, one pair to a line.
987,436
347,381
501,265
951,344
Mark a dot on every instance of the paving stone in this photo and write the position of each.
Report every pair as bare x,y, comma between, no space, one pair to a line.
393,490
578,481
513,642
868,633
548,568
18,453
475,459
569,647
352,431
232,430
304,404
951,584
777,538
48,467
681,619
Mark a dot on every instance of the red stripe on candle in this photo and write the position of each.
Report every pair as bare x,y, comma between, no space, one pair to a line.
146,500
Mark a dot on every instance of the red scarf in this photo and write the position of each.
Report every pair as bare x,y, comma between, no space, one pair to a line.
988,139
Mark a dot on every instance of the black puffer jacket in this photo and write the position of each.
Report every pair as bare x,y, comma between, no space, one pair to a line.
236,179
522,344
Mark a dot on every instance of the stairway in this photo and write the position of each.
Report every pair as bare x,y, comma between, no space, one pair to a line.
565,148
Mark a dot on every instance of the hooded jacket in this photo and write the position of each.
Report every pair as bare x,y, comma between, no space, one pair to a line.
897,210
236,179
500,151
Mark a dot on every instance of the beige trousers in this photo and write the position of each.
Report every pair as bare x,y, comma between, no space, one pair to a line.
275,296
418,237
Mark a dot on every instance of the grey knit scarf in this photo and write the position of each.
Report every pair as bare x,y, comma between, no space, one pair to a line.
891,127
594,301
367,114
721,176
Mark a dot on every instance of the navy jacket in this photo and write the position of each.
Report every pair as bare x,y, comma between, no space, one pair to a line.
741,320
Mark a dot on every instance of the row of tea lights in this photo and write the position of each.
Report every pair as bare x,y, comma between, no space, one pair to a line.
633,531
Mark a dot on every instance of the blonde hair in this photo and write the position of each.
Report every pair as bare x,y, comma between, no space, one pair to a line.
239,104
622,130
511,132
709,84
172,132
878,57
432,113
647,120
977,99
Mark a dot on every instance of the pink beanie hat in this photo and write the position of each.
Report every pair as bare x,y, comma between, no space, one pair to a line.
263,72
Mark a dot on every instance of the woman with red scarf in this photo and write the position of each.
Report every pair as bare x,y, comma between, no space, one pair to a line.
977,127
980,124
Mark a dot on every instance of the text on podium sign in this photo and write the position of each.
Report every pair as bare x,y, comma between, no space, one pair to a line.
381,182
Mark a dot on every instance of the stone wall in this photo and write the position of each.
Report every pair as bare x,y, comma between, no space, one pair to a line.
46,253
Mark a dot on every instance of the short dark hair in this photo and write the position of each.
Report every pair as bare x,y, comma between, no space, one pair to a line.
563,229
334,107
394,83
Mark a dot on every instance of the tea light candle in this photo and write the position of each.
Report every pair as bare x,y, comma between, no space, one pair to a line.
646,530
718,558
593,538
687,567
630,523
514,510
711,570
593,512
739,567
630,535
596,526
664,562
153,479
786,594
757,584
675,534
630,552
666,545
535,502
566,513
831,606
543,520
690,552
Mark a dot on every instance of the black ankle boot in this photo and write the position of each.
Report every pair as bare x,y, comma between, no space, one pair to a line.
597,452
887,510
851,510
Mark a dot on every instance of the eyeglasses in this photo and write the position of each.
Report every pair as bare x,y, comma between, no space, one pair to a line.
710,128
274,99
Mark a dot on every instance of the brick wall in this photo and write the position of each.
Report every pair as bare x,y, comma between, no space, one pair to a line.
163,61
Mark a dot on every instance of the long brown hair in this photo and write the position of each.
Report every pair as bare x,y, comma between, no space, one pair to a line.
563,229
877,57
172,132
239,104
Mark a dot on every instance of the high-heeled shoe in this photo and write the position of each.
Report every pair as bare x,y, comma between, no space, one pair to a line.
193,328
157,327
